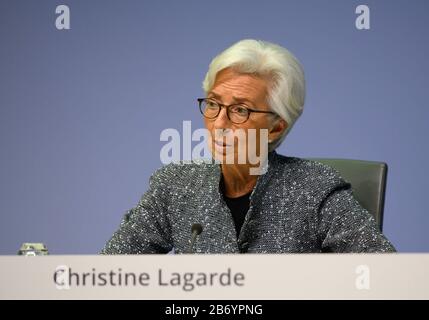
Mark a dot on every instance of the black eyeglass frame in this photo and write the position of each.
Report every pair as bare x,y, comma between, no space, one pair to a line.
250,110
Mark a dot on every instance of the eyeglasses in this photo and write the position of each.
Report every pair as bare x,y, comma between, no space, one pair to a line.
237,113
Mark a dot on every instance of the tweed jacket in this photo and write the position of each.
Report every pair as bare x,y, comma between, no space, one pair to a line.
297,206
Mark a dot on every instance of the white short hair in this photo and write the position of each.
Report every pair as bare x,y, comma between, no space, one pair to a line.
286,92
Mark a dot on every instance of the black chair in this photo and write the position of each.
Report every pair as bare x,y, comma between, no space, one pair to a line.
368,180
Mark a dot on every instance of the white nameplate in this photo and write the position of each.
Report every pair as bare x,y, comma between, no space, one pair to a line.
220,277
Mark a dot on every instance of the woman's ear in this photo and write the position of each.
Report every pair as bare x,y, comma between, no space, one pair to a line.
277,128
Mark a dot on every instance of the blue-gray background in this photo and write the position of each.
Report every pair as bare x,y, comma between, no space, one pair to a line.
81,110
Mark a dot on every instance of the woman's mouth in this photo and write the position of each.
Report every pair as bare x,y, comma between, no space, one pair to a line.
221,143
221,147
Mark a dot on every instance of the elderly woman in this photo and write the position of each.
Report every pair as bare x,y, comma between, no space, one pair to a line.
295,205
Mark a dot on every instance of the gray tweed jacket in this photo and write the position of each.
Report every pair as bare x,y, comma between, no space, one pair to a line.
296,206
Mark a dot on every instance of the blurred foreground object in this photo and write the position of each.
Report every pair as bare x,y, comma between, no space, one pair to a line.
33,249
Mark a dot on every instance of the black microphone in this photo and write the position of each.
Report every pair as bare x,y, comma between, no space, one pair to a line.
196,229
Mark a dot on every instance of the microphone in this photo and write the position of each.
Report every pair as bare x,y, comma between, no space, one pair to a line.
196,229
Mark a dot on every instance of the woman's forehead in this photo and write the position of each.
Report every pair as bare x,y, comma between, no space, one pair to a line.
238,87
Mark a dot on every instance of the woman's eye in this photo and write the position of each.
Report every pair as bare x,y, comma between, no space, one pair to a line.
239,109
212,104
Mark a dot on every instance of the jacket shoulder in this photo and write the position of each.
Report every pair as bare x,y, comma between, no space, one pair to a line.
182,171
311,175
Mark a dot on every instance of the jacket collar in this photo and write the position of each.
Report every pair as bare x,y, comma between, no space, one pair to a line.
215,178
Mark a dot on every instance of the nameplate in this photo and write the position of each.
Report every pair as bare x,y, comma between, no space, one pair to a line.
219,277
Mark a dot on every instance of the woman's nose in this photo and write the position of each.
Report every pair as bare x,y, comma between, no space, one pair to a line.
222,121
